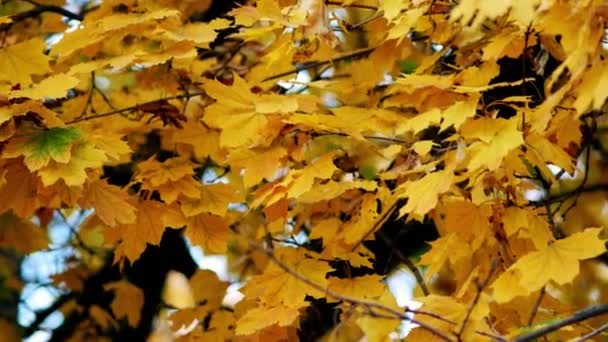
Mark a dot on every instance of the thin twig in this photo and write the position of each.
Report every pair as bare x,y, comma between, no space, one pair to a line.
480,288
593,333
536,306
408,263
311,65
134,108
43,314
579,316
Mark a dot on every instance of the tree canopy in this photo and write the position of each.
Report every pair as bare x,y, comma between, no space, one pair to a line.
321,147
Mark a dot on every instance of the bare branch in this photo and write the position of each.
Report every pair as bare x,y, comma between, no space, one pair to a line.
578,316
39,9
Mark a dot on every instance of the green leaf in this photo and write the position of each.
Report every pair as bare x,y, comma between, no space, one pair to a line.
368,171
408,66
38,146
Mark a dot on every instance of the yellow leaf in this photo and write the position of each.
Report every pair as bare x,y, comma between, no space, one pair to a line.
490,155
405,23
196,137
557,262
84,156
550,152
55,86
507,286
456,114
302,180
423,194
208,289
213,198
111,203
24,108
157,173
20,190
420,121
268,104
333,189
243,116
258,165
470,222
21,235
208,231
277,287
423,147
591,94
128,301
528,224
95,30
447,248
364,287
379,328
152,218
28,56
257,319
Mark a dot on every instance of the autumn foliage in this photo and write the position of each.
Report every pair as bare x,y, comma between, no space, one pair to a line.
320,146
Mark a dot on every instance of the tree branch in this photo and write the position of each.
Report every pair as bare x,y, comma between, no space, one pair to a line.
40,8
369,306
593,333
133,108
578,316
311,65
42,315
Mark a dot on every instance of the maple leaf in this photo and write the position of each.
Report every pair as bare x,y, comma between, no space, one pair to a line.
20,191
128,300
22,109
277,287
38,147
490,155
212,198
199,139
171,178
450,248
423,194
258,165
110,202
364,287
557,262
317,134
241,115
297,182
55,86
21,235
29,56
73,172
376,328
148,228
209,231
259,318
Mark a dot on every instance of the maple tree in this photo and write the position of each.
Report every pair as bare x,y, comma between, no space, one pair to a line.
320,146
